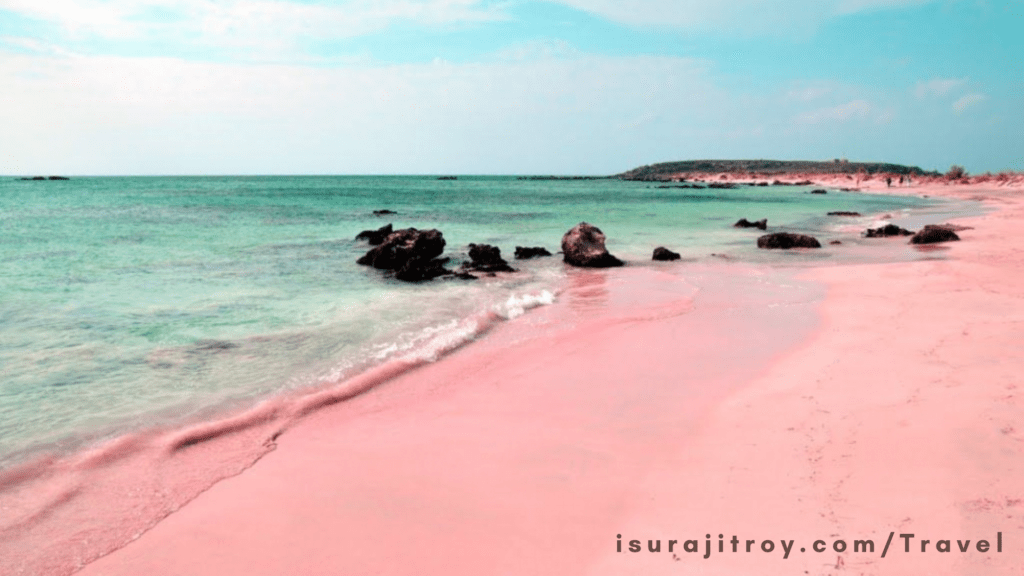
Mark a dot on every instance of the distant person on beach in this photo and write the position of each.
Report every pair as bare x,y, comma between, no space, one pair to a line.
888,181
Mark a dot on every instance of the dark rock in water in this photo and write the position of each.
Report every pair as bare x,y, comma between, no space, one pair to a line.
522,253
818,191
464,276
486,258
886,231
375,237
662,253
584,246
932,234
447,178
843,213
805,183
722,185
420,269
410,253
383,212
59,178
34,178
779,183
835,242
786,240
761,224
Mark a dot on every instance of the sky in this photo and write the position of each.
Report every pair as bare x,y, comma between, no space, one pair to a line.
160,87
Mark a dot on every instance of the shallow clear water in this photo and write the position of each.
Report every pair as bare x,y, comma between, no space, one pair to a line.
126,302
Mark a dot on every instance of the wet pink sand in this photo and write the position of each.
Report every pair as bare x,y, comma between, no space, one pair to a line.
889,404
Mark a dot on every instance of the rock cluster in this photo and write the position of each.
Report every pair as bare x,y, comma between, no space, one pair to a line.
411,254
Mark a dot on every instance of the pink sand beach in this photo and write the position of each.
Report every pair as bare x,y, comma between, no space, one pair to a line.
797,412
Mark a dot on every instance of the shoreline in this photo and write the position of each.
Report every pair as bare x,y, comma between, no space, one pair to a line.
532,435
899,416
478,349
739,469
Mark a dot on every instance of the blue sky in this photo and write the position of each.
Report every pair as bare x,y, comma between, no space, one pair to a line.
504,87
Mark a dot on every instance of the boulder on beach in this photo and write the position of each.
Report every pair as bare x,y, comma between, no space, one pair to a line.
843,213
486,258
761,224
886,231
787,240
375,237
933,233
583,246
411,253
662,253
525,252
836,242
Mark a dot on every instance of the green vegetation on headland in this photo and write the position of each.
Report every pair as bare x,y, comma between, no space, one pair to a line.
665,170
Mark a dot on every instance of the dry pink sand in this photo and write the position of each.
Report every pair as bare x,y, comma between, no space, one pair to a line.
529,452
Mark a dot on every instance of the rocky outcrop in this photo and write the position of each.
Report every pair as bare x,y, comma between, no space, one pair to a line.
761,224
662,253
375,237
843,213
583,246
486,258
524,252
933,233
886,231
412,254
787,240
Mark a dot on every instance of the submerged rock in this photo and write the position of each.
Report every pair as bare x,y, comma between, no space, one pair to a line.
818,191
933,233
383,212
843,213
523,253
761,224
375,237
583,246
420,269
410,253
662,253
886,231
486,258
787,240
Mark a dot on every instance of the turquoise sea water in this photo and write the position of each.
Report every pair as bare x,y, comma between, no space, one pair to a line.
129,302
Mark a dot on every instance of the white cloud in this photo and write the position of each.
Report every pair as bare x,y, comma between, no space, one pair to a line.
757,16
855,109
268,26
808,93
938,86
148,115
967,101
